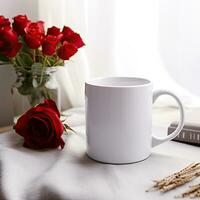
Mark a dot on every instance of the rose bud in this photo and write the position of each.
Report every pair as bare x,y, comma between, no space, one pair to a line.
34,33
19,24
67,50
49,44
9,45
53,31
4,22
41,126
70,36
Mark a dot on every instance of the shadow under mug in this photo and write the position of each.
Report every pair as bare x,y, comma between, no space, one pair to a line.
119,119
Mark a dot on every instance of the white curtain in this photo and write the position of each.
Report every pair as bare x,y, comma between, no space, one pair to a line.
71,78
148,40
156,39
123,38
94,20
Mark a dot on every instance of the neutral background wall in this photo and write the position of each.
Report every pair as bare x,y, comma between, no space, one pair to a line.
7,77
11,8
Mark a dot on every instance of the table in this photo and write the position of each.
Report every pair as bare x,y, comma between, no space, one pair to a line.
69,174
5,129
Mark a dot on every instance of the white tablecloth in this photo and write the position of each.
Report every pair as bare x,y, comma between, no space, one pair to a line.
69,174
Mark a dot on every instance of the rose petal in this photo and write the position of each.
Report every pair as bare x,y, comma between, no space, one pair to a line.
9,45
53,117
52,144
21,127
67,50
48,103
70,36
34,33
53,31
20,23
4,22
33,41
41,129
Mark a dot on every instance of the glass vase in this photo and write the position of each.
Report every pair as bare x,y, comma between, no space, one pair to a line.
31,89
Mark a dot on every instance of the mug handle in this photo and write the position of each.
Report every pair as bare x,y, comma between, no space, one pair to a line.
158,140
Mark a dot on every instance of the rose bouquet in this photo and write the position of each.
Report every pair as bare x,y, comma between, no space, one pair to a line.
32,51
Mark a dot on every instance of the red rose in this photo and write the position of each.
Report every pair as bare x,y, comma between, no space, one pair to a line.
53,31
19,24
4,21
70,36
41,126
9,45
49,44
34,34
66,50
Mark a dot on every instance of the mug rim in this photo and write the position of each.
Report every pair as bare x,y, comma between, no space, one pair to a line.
96,82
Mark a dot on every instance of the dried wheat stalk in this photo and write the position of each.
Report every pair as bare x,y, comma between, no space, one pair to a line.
177,179
193,192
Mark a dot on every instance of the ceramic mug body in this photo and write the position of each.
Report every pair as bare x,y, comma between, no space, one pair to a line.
119,119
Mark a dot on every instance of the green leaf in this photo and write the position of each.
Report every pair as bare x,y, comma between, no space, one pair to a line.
20,61
50,60
67,128
4,58
60,63
25,48
27,59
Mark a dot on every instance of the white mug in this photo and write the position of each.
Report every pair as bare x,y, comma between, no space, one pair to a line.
119,119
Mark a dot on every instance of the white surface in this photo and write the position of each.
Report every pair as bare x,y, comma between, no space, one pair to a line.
70,174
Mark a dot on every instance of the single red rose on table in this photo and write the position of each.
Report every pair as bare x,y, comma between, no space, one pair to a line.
19,24
4,22
34,33
9,45
70,36
41,126
66,50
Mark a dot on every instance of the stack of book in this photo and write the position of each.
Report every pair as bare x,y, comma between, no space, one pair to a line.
190,133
